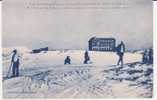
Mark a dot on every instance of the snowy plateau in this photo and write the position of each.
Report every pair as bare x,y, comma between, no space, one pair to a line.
44,75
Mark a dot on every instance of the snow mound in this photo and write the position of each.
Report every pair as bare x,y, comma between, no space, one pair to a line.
19,49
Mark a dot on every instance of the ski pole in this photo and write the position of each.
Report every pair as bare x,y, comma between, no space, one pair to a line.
9,70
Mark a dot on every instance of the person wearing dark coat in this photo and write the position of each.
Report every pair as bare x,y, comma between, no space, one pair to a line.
15,64
120,52
67,60
145,57
86,57
150,54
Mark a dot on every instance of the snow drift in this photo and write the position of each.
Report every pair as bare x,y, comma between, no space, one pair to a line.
44,75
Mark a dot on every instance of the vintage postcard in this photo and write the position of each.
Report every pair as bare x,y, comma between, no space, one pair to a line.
77,48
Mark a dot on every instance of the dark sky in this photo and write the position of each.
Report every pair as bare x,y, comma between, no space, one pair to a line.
71,28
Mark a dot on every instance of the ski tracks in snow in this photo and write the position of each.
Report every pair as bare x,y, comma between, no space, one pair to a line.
81,81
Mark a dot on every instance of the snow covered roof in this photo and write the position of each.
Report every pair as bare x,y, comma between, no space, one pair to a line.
95,38
105,35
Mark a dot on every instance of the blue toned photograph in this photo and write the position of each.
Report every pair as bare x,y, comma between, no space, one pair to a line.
77,49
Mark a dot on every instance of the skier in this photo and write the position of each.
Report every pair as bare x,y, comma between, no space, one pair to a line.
145,57
67,60
86,57
15,64
150,56
120,52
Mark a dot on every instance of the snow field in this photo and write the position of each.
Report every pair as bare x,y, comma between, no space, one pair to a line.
44,75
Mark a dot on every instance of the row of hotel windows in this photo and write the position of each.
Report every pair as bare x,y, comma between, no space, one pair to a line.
102,44
104,40
102,49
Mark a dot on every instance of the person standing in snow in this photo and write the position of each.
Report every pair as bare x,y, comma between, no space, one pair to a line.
120,52
150,54
86,57
145,57
67,60
15,64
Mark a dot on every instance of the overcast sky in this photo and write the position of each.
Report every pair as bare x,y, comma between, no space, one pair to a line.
72,28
